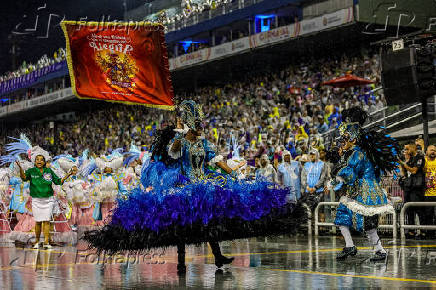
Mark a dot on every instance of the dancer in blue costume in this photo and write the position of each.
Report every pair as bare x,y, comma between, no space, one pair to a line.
193,154
184,203
364,155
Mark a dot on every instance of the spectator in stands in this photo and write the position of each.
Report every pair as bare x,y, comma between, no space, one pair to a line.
266,170
322,126
274,104
301,135
314,174
289,172
430,181
412,181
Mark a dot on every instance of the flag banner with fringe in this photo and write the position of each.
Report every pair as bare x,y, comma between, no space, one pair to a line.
119,62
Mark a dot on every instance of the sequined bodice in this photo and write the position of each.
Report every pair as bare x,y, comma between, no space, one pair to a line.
197,156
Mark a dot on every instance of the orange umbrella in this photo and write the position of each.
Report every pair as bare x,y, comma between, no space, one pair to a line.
347,81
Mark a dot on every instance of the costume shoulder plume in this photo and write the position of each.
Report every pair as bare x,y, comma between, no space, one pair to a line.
355,115
380,148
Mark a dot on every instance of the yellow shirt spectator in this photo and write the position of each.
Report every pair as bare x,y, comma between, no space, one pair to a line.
430,177
301,135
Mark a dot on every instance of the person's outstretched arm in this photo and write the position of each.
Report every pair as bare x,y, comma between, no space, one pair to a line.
22,173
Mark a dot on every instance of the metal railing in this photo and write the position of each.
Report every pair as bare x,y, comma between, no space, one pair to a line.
390,121
316,214
221,9
309,219
392,227
403,226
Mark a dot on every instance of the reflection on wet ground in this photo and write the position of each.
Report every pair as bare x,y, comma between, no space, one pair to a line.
275,263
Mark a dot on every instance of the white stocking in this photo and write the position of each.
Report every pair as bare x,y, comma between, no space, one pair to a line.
375,240
345,231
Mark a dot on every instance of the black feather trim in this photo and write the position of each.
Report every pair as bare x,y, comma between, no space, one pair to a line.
114,239
354,114
159,146
381,149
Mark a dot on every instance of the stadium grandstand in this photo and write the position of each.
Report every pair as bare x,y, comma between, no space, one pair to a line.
261,71
238,54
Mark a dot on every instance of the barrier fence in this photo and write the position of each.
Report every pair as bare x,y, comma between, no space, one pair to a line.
388,222
403,226
392,226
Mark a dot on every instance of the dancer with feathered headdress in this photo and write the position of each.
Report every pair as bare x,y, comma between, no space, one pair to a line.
107,185
364,155
188,204
135,161
40,178
77,188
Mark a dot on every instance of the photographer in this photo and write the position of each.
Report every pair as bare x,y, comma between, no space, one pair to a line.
412,181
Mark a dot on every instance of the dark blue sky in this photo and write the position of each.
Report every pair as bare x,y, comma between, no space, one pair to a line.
17,17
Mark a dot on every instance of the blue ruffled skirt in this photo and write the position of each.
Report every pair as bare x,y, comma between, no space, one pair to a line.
213,209
362,205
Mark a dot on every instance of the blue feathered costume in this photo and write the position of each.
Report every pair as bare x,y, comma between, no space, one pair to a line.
365,156
189,204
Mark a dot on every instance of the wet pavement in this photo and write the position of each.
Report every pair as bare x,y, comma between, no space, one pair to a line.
274,263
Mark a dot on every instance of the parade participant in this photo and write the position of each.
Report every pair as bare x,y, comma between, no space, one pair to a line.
289,172
19,191
41,179
237,163
190,205
194,153
20,206
135,160
5,227
364,156
77,189
107,185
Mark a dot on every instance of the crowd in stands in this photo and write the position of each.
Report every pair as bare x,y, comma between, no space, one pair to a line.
272,115
269,112
27,68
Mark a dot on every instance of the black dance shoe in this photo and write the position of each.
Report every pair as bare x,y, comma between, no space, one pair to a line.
181,269
221,261
378,256
350,251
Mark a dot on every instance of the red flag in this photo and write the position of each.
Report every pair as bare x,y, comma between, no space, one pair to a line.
119,62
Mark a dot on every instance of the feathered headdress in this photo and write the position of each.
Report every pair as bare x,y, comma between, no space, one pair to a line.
236,159
38,151
66,162
84,157
191,114
235,147
352,121
380,148
134,153
22,146
114,160
88,167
